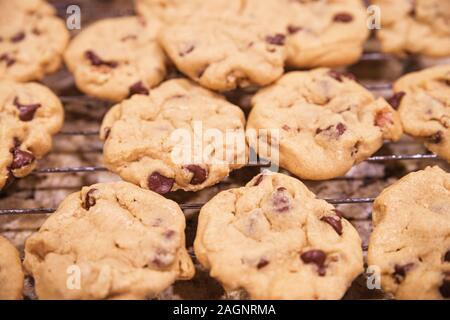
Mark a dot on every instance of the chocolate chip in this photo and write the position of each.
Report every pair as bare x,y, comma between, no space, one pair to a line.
341,128
336,224
447,256
444,289
186,50
138,88
202,71
262,263
259,180
383,119
436,138
316,257
291,29
159,183
339,76
36,32
401,270
89,200
18,37
396,99
200,174
343,17
286,127
277,39
169,234
21,158
162,259
97,61
7,59
280,200
26,111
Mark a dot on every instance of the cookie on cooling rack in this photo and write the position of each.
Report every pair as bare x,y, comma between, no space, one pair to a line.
275,240
115,58
32,40
418,27
225,53
123,242
410,242
29,115
11,274
326,122
165,141
318,33
423,99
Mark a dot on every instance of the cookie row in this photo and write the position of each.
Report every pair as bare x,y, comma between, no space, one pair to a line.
273,238
221,44
321,123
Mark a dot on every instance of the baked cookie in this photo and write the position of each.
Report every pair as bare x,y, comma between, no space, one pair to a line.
274,239
11,274
318,33
423,99
415,27
32,40
123,242
152,141
326,123
29,115
411,239
225,53
115,58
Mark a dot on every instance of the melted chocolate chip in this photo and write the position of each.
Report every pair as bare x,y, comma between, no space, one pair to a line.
277,39
436,138
18,37
447,256
162,259
89,200
262,263
291,29
336,224
259,180
343,17
396,99
444,289
401,270
280,200
200,174
339,76
169,234
7,59
316,257
138,88
187,50
36,32
97,61
341,128
21,158
202,71
26,111
159,183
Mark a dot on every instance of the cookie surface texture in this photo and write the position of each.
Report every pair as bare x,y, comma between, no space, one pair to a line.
11,274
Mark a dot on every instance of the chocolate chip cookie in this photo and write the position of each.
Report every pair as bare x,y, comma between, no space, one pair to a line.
326,122
318,33
423,99
32,40
109,241
29,115
11,274
415,27
115,58
275,240
180,136
411,240
225,53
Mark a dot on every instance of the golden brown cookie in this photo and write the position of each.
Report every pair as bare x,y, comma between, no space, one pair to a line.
11,274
